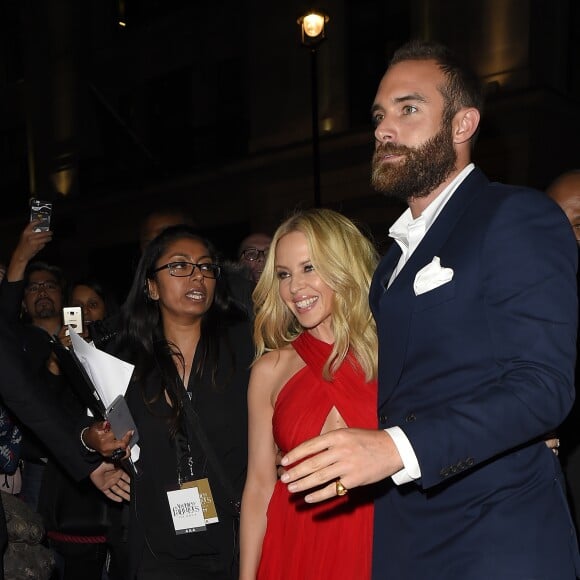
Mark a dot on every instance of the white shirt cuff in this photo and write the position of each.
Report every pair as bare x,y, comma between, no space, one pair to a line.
411,470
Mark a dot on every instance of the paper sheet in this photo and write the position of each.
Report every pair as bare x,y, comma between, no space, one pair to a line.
110,375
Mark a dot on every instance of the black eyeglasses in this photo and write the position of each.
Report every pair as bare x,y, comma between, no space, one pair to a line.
253,254
184,269
37,286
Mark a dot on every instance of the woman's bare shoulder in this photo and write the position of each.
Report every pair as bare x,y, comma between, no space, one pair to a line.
275,361
276,367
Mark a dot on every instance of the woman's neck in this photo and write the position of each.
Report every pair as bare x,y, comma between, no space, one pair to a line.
186,338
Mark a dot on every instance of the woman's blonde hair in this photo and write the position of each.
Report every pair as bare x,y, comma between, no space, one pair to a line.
345,260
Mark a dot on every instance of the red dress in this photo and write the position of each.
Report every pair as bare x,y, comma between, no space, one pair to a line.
332,539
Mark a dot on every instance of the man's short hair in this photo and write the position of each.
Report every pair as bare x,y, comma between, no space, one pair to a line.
43,266
463,87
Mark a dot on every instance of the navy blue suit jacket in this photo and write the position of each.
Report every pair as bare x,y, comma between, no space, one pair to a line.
475,372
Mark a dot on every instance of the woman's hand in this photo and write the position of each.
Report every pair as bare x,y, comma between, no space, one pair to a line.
64,337
113,481
100,438
553,443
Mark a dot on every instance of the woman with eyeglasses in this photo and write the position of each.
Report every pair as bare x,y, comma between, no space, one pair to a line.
192,348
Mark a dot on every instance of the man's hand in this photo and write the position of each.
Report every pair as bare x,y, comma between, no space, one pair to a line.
113,481
356,456
29,244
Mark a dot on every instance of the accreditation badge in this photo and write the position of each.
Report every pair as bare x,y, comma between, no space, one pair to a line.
206,497
186,510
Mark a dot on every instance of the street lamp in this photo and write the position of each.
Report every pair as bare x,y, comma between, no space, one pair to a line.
312,34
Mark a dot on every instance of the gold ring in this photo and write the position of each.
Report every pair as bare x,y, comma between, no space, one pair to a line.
340,489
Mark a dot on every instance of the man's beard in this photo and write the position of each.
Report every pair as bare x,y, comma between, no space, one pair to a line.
44,310
421,171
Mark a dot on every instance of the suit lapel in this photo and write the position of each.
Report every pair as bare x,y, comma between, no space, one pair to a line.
393,308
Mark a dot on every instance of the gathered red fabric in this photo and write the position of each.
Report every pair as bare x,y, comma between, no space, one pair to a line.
332,539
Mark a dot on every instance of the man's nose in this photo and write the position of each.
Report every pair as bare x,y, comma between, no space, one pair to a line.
384,131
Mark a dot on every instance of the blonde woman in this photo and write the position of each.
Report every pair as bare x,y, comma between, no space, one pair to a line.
315,370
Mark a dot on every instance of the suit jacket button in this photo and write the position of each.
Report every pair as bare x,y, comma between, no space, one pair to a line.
410,418
383,418
470,461
444,472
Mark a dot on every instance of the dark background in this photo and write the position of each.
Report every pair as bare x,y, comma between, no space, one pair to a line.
208,106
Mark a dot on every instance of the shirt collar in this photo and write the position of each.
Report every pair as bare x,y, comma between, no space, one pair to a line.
399,231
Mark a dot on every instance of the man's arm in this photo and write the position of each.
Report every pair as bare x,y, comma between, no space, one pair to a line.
529,301
28,400
356,456
29,244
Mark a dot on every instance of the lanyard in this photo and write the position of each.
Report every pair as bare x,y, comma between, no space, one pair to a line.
188,469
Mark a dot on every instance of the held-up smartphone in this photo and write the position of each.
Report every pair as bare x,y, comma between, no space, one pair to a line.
41,210
72,316
121,420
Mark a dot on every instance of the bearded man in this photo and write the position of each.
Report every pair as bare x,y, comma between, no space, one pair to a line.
476,307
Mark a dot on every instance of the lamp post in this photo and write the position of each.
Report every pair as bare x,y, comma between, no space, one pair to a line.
312,34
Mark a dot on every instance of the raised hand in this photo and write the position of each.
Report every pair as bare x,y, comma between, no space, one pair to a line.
29,244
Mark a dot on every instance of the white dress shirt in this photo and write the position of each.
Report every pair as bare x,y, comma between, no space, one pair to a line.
408,233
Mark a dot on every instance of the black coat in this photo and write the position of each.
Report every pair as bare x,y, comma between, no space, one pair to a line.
23,394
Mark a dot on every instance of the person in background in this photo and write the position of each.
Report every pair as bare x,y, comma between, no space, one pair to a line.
315,371
565,191
12,288
24,394
10,443
96,303
77,518
160,219
252,254
31,299
476,312
191,346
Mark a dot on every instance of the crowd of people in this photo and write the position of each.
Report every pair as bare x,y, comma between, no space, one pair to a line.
309,410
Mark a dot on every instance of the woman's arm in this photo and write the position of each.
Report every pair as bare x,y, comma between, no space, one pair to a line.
261,476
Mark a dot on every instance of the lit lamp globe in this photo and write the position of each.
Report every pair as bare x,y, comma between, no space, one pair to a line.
312,26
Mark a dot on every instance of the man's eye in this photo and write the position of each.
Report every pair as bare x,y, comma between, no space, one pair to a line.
376,120
408,109
179,265
206,267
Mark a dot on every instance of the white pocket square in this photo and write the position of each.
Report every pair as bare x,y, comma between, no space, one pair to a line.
431,276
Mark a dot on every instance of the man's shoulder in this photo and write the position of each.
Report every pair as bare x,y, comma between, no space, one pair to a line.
511,197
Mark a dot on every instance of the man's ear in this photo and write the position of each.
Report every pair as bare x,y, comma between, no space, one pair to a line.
465,124
151,290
